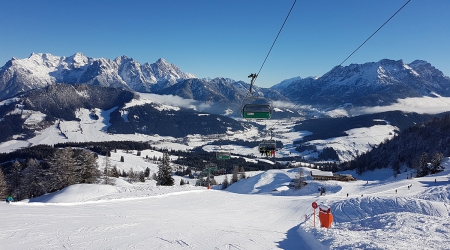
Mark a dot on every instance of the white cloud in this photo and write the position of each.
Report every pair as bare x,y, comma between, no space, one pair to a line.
421,105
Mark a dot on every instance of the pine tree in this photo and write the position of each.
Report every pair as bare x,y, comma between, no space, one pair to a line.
423,165
436,160
141,176
164,177
114,172
147,172
123,174
225,182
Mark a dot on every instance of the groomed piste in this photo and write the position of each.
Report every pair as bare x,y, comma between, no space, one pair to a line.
259,212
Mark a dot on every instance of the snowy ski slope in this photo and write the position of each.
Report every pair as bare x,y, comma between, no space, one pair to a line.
260,212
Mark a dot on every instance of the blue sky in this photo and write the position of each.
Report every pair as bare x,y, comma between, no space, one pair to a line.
230,38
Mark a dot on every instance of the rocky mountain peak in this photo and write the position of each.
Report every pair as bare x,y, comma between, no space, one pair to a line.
42,69
372,83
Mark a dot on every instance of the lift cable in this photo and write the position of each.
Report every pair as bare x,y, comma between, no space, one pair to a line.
374,33
331,71
254,76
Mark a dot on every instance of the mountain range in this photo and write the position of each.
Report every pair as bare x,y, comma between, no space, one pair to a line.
40,70
368,84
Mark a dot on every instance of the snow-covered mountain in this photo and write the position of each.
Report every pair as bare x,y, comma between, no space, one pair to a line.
127,113
369,84
218,90
42,69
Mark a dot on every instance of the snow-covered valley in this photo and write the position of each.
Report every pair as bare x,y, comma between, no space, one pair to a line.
378,211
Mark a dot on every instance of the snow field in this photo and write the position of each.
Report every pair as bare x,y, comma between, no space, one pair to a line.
255,213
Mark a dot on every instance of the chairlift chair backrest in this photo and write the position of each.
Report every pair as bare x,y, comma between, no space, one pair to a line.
268,145
223,155
256,108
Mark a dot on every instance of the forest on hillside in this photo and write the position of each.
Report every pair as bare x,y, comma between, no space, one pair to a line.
421,147
34,171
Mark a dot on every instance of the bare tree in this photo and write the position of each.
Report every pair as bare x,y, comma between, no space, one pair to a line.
300,179
32,184
235,176
3,186
107,171
132,176
62,168
242,173
15,177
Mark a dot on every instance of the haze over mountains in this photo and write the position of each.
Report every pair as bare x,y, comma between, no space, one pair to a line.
369,84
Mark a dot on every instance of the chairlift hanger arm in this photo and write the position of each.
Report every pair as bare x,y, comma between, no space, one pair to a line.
253,76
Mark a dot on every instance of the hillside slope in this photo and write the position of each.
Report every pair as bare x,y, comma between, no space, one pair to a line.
381,212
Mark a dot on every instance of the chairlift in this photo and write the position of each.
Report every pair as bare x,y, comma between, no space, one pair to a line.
256,108
223,155
268,145
267,148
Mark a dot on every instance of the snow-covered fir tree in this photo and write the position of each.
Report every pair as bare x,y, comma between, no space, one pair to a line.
164,176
